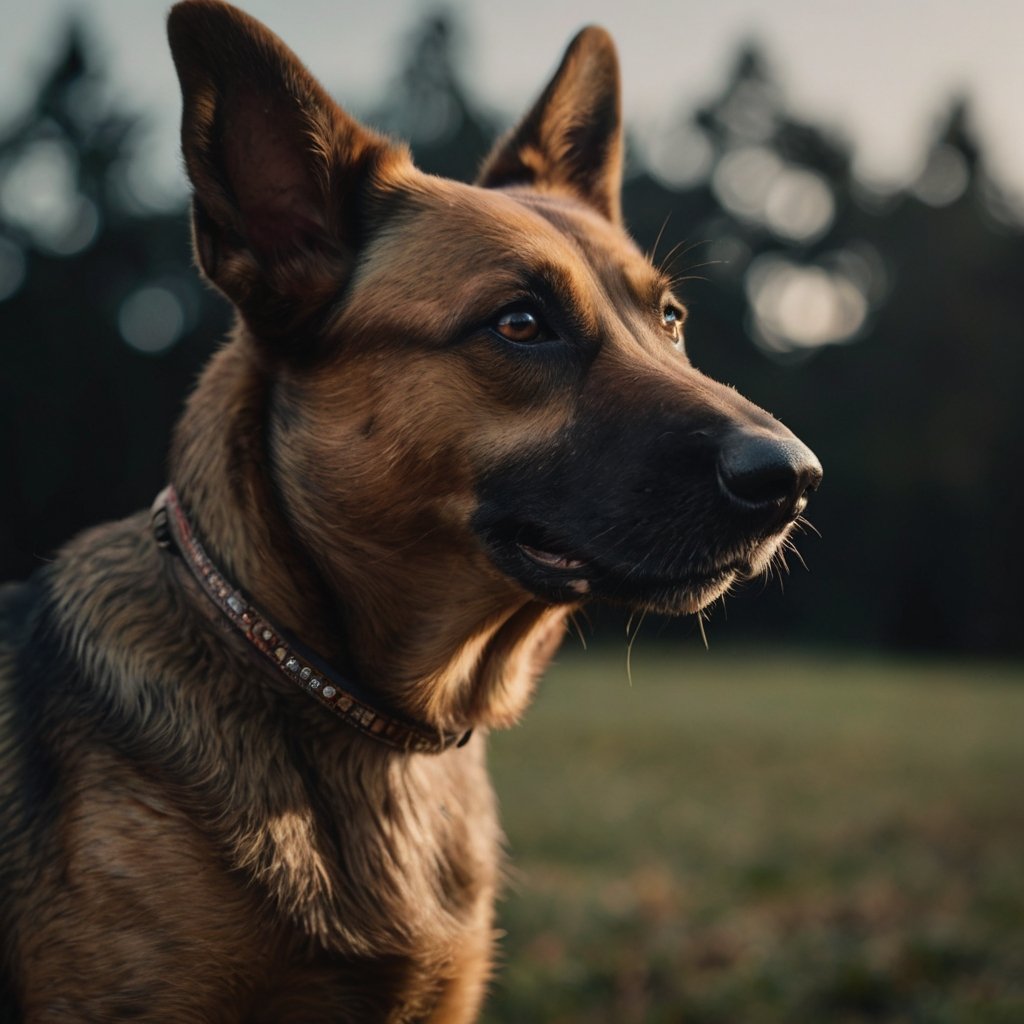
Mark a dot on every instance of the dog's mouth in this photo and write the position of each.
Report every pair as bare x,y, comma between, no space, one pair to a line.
557,572
573,568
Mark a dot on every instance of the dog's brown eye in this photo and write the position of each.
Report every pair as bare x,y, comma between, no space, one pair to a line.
520,325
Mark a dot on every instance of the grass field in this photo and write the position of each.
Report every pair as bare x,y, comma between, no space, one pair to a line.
764,838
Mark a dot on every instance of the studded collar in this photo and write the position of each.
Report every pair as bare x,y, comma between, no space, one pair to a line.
284,654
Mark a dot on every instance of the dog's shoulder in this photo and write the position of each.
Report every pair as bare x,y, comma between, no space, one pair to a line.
52,627
29,652
27,783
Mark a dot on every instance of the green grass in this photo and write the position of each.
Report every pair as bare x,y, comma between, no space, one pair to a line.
764,838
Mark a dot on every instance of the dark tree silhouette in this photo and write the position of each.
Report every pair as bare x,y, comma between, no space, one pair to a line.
430,108
84,416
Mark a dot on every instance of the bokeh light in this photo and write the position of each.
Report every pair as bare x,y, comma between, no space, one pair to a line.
151,319
798,306
39,194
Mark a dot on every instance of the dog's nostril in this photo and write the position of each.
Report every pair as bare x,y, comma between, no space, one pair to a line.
763,471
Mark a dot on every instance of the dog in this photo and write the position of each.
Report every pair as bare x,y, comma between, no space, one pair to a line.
243,733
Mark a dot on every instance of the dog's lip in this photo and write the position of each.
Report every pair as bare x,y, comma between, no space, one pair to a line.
561,564
581,575
551,560
541,558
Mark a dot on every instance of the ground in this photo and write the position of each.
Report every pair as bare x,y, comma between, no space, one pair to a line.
761,837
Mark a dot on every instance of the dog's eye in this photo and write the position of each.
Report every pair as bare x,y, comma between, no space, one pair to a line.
672,317
521,326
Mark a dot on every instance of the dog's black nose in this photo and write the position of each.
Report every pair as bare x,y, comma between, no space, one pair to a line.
763,472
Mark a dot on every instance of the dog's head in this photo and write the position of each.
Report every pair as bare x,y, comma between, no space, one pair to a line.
486,382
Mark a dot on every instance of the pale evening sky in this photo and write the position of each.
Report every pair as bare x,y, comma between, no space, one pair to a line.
879,71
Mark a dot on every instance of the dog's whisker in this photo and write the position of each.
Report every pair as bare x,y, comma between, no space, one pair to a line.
630,641
803,523
678,251
795,551
688,275
653,252
700,626
574,621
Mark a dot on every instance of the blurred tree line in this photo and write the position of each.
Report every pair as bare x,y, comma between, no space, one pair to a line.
886,329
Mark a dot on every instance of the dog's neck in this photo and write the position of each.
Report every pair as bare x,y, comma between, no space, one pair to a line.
452,657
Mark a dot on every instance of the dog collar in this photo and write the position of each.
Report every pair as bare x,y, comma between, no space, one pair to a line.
283,653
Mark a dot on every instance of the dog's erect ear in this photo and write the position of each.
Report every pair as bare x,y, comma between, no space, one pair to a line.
280,173
571,141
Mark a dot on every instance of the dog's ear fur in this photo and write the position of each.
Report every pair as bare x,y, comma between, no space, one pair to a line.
571,141
279,171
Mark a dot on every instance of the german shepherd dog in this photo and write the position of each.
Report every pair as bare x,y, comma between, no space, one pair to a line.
242,736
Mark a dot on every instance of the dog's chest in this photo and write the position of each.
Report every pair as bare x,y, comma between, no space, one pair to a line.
286,923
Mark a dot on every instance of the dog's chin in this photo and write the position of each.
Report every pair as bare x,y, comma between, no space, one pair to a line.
670,597
562,578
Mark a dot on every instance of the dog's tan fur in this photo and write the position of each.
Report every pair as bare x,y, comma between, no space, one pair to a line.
184,836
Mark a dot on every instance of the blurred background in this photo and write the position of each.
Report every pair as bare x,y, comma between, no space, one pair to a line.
830,831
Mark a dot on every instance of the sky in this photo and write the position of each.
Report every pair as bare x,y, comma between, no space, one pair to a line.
879,72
